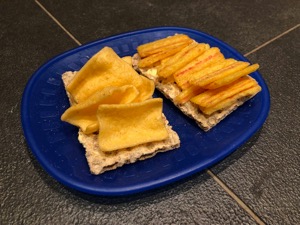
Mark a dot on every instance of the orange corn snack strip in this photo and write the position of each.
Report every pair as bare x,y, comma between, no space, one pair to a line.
182,58
187,94
152,59
232,77
159,45
209,57
211,77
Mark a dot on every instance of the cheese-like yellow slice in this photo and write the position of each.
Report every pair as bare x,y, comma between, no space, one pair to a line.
84,114
127,125
107,69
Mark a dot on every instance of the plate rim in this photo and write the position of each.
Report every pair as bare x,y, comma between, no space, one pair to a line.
151,185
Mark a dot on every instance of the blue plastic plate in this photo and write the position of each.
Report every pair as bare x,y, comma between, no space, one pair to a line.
55,145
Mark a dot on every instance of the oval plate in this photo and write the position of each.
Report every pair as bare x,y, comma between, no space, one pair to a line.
55,145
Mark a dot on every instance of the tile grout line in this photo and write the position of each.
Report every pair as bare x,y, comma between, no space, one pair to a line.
273,39
235,197
57,22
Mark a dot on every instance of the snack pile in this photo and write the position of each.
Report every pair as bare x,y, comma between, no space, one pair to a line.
119,121
196,77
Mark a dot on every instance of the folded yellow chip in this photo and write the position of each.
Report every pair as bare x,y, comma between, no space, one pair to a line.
84,114
100,161
126,125
106,69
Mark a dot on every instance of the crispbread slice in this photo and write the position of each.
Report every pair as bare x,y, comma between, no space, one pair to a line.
171,90
100,162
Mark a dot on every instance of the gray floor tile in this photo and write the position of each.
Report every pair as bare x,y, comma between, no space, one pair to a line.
195,201
242,24
28,39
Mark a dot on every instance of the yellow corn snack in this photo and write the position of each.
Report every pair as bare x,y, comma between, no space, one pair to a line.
155,59
188,93
106,69
159,45
216,99
128,59
231,100
181,58
219,74
84,114
209,57
210,69
163,62
232,77
168,80
127,125
145,88
199,74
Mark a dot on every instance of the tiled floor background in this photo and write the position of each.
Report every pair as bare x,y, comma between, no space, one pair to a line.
263,174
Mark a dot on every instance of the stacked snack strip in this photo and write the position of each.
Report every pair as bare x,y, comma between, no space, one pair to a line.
205,77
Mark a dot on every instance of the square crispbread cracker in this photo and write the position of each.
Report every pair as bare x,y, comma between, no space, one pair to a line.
171,90
100,162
